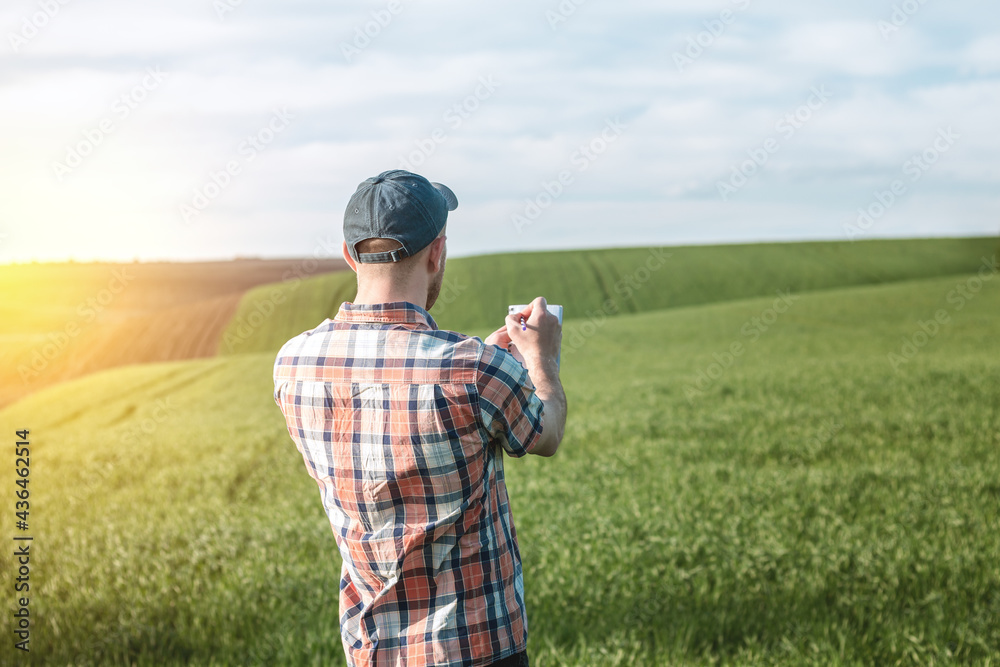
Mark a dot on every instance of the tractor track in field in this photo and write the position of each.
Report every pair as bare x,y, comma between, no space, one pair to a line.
159,386
168,311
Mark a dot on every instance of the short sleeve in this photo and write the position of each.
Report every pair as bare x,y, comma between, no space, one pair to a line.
511,410
279,374
278,386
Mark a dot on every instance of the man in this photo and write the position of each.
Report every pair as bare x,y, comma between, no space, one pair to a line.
403,427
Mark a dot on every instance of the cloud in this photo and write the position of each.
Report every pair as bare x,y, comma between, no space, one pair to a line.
854,48
413,91
982,56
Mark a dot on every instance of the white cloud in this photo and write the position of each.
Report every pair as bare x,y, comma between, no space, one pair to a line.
849,47
556,90
983,55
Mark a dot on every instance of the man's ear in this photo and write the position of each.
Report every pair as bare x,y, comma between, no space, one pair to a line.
350,260
435,255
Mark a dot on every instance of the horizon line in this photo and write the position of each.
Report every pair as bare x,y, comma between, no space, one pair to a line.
260,258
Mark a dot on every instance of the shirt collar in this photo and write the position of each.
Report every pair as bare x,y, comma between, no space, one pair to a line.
395,312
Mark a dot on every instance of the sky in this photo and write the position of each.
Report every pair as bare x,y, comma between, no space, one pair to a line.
212,129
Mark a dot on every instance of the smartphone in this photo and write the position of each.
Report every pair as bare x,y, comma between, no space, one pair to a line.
554,309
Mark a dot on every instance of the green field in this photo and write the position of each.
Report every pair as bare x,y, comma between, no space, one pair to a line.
592,284
737,485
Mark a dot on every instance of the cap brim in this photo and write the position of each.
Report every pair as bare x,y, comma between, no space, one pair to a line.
448,195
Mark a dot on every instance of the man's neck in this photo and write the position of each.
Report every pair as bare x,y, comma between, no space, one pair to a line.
375,294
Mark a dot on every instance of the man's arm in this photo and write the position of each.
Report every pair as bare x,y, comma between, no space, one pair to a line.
550,390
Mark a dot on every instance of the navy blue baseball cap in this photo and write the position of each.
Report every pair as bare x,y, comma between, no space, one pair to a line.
397,205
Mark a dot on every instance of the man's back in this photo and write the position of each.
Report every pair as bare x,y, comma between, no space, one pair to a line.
403,427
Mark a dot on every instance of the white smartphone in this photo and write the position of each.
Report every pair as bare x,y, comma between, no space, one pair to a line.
554,309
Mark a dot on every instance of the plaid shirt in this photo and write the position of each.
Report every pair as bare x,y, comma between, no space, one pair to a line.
403,426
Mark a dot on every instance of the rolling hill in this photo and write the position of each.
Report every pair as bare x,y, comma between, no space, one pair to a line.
744,479
596,284
63,321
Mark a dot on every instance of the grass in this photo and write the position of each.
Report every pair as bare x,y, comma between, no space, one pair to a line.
807,503
609,282
60,321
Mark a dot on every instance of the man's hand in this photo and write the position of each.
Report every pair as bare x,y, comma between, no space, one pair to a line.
540,342
501,338
541,338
